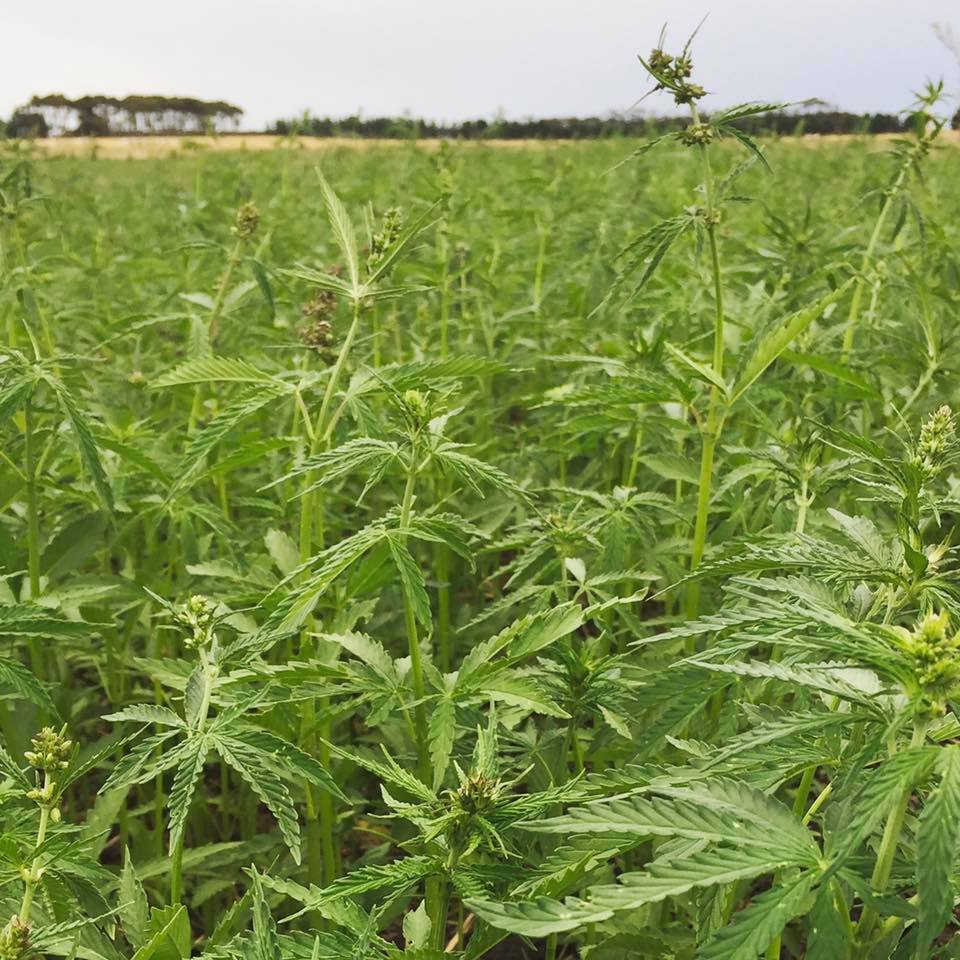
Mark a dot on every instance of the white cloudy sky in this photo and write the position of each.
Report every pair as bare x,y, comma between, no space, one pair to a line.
452,59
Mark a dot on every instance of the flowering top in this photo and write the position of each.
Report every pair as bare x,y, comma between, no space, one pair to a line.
15,940
937,437
248,219
50,750
198,615
673,73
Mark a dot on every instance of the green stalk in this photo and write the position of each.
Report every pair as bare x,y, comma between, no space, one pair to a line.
221,295
710,432
321,814
33,528
885,854
413,640
210,672
853,314
799,804
33,877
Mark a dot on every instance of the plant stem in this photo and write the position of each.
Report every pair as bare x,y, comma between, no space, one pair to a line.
33,528
321,814
853,314
210,673
710,432
217,310
33,878
887,851
413,641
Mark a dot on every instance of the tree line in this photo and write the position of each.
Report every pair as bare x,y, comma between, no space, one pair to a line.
103,116
58,115
585,128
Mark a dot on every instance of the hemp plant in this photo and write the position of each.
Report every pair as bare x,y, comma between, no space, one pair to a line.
263,760
673,74
908,156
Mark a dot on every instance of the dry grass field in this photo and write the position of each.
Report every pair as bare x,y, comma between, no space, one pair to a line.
141,148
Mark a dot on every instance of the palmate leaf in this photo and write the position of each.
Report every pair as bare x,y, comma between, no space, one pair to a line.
255,767
363,453
139,763
294,609
672,878
447,528
868,793
519,692
86,442
651,247
411,579
214,369
15,677
14,394
754,928
252,401
772,343
823,677
442,732
937,841
189,768
286,757
523,638
476,474
345,913
266,945
395,877
388,771
343,232
658,816
147,713
538,918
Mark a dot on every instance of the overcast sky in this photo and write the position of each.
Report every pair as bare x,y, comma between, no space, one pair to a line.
452,60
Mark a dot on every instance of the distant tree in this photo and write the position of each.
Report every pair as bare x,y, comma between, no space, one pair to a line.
100,115
27,126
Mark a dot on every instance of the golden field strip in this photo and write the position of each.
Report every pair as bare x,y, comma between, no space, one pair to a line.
149,147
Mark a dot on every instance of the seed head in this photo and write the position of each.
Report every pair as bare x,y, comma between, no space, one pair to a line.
385,238
673,74
697,134
198,614
936,440
50,750
248,218
417,407
318,336
14,940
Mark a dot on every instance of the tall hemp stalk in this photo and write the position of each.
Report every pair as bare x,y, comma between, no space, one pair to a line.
673,73
909,153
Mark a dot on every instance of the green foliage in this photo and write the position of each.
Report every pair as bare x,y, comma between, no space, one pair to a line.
465,553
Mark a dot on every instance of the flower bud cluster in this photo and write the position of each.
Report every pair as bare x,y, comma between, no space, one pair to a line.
937,437
387,236
935,651
197,614
15,940
248,219
673,74
317,333
50,750
49,755
697,134
417,407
